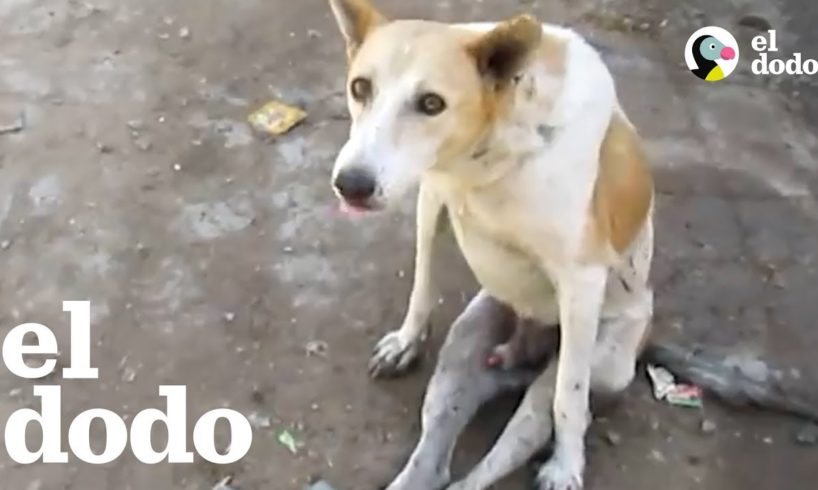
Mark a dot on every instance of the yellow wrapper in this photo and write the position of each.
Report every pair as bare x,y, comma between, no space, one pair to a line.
276,118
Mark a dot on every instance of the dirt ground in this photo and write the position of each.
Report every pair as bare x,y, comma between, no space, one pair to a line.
214,259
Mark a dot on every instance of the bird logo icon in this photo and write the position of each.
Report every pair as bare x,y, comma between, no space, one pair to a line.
711,53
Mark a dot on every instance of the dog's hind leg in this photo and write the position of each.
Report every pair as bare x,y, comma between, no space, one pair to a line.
460,385
528,431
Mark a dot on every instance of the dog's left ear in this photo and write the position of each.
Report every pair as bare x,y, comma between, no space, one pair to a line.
502,52
356,19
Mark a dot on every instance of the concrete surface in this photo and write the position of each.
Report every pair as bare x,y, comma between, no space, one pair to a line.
213,258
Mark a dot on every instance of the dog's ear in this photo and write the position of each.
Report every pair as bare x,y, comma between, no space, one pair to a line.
356,19
502,52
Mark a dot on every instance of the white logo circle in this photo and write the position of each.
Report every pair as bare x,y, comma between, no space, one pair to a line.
712,53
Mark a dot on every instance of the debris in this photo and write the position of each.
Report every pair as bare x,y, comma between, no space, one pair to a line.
319,485
229,316
676,394
287,440
613,438
657,456
136,125
177,167
143,143
128,375
276,118
316,348
768,440
260,421
184,32
5,244
16,126
807,435
225,484
708,426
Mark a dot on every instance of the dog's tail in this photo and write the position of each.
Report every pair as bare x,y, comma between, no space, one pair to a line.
735,382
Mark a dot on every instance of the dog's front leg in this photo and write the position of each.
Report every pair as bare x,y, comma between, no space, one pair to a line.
396,351
581,291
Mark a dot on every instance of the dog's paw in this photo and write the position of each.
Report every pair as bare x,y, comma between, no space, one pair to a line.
393,355
557,475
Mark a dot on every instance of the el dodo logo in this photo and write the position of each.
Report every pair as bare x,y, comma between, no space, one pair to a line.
711,53
18,343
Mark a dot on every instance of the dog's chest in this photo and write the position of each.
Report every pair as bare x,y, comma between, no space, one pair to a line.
497,259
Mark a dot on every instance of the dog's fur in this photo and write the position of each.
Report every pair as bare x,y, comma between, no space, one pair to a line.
550,199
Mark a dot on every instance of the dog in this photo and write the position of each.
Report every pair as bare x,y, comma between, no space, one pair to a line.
514,131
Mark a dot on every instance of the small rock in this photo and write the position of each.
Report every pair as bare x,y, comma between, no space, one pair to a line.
184,32
807,435
657,456
143,143
319,485
136,125
103,148
177,167
768,440
229,316
708,426
613,438
5,244
316,348
260,421
225,484
313,34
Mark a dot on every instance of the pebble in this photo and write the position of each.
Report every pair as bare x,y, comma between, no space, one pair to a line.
229,316
708,426
807,435
657,455
136,125
5,244
225,484
319,485
143,143
613,438
184,32
259,421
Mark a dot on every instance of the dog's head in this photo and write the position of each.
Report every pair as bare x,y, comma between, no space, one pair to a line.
421,95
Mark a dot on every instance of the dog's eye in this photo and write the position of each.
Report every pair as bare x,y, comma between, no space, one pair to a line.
431,104
361,89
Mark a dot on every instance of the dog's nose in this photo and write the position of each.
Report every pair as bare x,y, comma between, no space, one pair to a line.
355,184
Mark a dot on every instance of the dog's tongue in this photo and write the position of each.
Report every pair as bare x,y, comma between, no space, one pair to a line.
345,208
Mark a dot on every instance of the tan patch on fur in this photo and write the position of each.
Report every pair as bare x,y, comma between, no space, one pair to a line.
623,190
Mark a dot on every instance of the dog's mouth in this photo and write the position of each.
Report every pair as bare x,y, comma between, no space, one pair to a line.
358,207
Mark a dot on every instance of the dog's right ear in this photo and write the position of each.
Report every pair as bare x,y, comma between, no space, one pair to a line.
503,51
356,19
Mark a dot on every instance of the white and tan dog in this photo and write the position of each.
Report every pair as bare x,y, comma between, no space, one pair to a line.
515,130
